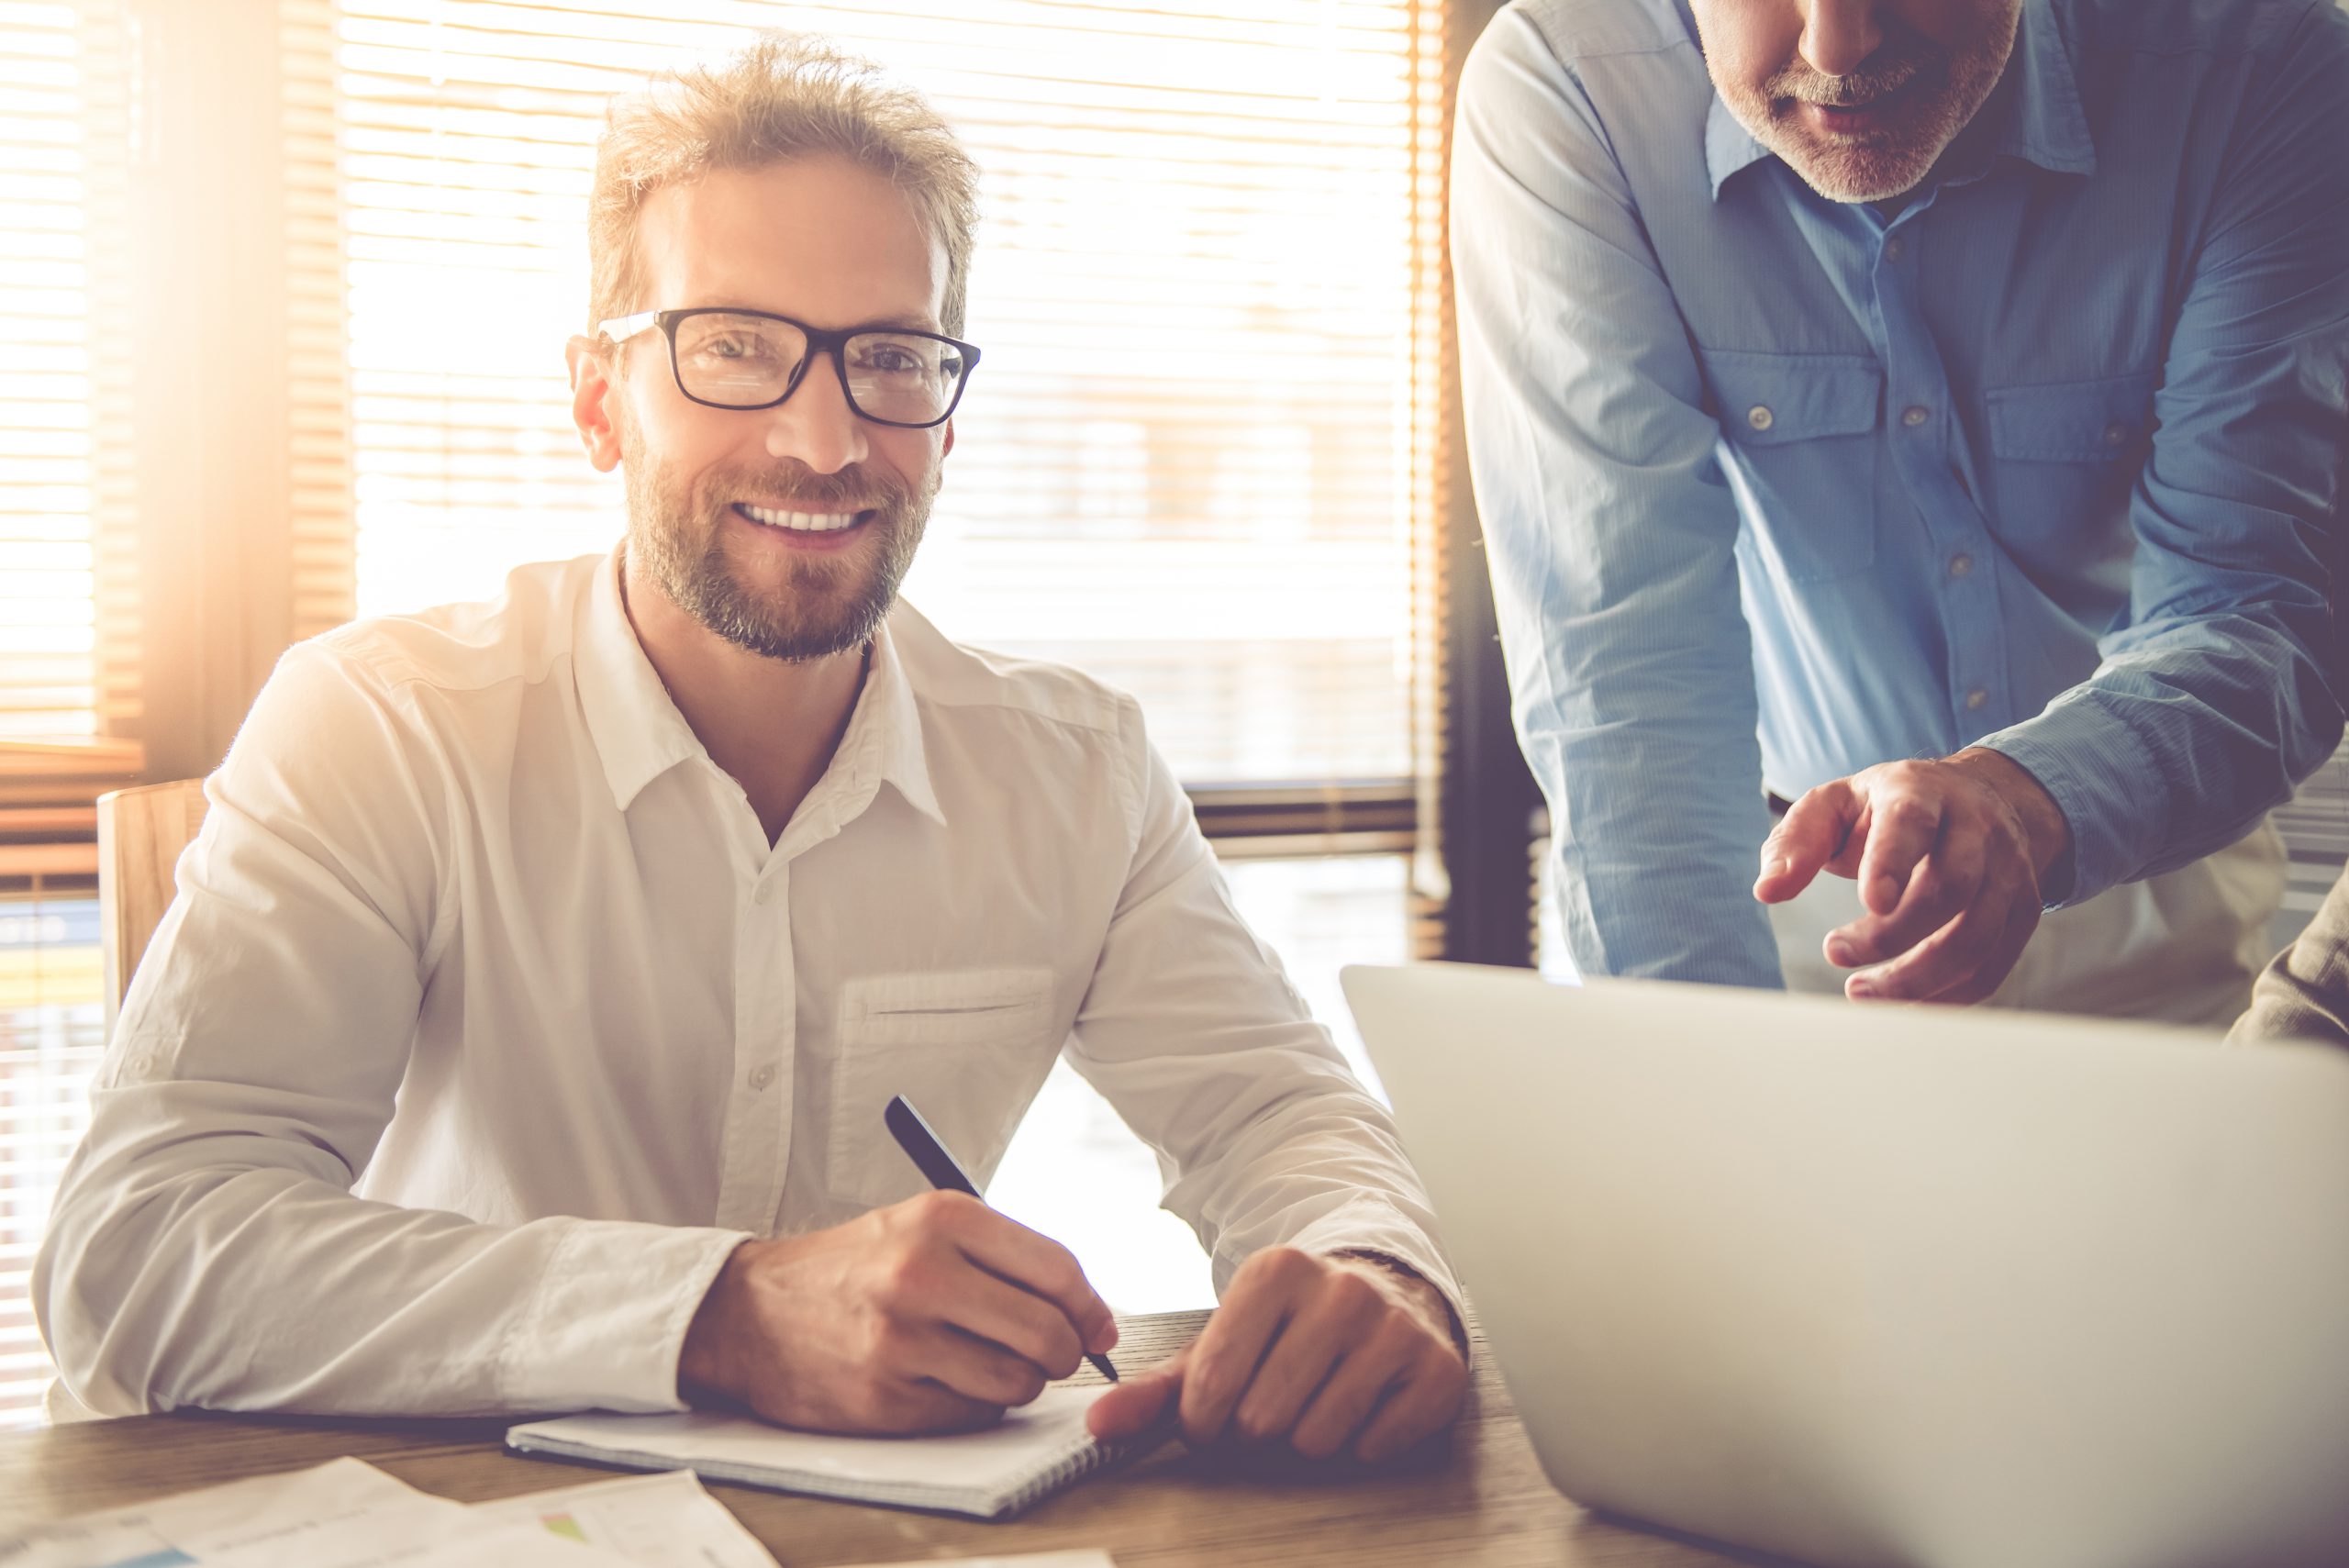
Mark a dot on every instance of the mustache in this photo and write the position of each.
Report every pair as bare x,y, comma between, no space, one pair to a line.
851,489
1897,63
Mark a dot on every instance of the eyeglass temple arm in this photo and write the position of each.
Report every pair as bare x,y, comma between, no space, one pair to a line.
621,328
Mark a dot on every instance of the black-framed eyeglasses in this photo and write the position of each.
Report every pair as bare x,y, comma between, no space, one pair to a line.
753,359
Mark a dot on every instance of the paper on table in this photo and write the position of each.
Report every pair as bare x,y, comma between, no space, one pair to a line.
526,1544
347,1513
1030,1559
238,1516
662,1520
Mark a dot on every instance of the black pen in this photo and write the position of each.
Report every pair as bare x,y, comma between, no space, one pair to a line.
921,1146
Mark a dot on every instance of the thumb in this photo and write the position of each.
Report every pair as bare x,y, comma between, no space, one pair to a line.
1140,1401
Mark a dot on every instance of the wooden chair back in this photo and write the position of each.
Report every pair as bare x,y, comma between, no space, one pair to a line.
140,834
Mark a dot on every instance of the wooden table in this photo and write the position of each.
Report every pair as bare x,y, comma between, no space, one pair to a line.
1480,1501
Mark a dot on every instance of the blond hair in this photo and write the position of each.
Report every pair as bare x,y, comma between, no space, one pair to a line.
783,95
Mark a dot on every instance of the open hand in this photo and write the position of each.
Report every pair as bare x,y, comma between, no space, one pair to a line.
1326,1355
1951,858
931,1315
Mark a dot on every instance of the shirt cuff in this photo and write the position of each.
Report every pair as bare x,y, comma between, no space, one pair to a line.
1373,1228
2089,761
1395,1265
608,1322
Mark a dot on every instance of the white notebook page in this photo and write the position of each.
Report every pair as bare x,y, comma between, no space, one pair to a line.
1026,1439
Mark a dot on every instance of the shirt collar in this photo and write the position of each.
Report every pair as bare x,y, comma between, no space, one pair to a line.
2034,111
639,734
887,728
2044,121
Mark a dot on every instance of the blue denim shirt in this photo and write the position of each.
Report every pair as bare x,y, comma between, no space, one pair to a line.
1775,489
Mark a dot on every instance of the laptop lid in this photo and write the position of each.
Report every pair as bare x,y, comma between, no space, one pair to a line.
1877,1286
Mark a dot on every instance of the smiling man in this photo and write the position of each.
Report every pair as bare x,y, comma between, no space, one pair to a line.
1948,395
520,1036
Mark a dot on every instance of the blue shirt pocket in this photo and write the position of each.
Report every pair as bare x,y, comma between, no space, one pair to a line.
2065,456
1800,449
2106,420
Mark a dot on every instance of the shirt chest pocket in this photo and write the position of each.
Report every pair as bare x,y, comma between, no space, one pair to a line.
1800,449
968,1047
2067,455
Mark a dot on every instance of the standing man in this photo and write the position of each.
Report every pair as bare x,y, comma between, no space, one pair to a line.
1952,391
519,1038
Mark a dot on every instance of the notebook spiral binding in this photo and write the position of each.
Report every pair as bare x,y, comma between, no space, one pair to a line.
1084,1461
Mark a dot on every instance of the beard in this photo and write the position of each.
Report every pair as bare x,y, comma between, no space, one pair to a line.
823,605
1941,91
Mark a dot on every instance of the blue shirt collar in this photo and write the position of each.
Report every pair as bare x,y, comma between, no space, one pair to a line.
2035,110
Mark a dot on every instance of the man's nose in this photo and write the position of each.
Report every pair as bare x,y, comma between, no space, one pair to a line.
816,423
1838,35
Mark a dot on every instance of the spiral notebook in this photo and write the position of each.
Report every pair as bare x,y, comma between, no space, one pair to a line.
1034,1452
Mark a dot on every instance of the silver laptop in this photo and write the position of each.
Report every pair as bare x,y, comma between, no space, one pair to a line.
1877,1286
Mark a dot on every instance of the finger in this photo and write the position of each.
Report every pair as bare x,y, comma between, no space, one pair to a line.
1140,1401
1227,1354
985,1305
1901,832
1345,1309
1345,1401
1038,1265
2023,919
978,1370
1938,893
1811,834
1422,1405
921,1406
1946,958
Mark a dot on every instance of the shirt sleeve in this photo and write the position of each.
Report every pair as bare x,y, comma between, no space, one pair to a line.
1610,533
205,1247
1191,1031
2220,692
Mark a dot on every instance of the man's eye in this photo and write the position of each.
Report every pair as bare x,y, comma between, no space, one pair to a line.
732,348
890,360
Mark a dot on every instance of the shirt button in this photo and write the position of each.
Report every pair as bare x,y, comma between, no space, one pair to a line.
762,894
2116,434
761,1077
1975,698
1959,565
1894,248
1760,416
1915,414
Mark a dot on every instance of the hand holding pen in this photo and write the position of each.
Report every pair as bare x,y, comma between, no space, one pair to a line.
931,1315
937,1167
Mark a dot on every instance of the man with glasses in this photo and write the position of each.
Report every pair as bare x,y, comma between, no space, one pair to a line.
521,1036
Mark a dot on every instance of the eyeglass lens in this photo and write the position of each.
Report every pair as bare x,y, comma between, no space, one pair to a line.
747,361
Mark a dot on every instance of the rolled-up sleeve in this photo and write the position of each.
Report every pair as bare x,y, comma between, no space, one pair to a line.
2220,692
1610,533
205,1247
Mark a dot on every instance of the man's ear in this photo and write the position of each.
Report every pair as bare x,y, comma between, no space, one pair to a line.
947,449
591,402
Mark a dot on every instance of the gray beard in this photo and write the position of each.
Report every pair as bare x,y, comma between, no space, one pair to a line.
1879,169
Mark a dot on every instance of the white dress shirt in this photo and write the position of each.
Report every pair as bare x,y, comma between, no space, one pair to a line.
487,1021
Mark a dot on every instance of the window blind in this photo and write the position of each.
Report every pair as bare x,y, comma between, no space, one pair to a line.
69,689
323,546
1207,287
67,591
50,1038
